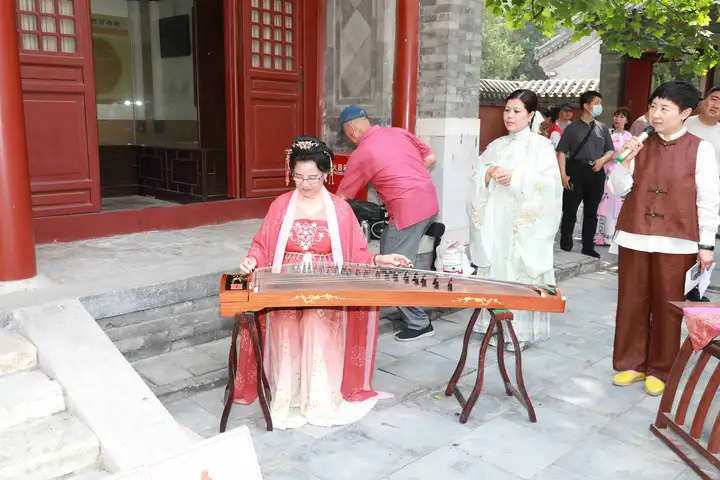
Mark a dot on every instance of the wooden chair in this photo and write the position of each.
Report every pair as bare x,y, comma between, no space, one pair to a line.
685,436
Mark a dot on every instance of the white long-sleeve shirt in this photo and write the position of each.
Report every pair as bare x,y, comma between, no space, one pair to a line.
707,182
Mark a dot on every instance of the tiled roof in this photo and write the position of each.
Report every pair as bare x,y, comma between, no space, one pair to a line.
545,89
555,43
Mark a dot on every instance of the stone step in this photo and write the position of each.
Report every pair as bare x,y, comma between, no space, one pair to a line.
47,449
27,396
16,353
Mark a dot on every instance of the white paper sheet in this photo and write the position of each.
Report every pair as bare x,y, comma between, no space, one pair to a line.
693,278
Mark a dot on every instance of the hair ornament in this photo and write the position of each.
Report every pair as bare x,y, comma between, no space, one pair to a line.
306,144
288,152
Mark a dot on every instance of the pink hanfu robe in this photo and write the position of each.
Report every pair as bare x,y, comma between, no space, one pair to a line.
609,207
319,361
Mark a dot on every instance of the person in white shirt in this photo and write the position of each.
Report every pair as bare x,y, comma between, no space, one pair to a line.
668,222
706,124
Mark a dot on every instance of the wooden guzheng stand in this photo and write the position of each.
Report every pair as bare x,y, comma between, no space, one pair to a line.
326,285
690,435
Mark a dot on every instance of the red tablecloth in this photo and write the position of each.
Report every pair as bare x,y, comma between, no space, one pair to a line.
703,324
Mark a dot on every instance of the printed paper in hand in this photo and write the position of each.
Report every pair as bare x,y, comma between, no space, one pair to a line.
693,278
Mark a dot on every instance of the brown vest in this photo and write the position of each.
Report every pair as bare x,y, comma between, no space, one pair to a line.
662,201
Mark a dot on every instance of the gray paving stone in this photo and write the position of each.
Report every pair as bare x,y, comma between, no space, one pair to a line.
335,457
542,362
488,406
194,417
450,463
409,428
559,420
577,347
461,317
423,368
594,328
212,401
161,371
382,359
452,348
270,445
602,457
493,383
282,468
217,350
633,427
554,472
194,360
401,388
599,395
515,448
443,330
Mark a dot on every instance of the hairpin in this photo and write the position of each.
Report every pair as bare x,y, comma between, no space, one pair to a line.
288,152
332,168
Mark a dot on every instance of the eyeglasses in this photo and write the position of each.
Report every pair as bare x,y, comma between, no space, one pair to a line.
299,179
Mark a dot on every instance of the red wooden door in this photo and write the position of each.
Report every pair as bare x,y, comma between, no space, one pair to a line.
638,81
272,42
59,97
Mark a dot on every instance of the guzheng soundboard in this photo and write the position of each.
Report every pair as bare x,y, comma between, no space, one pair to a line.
356,285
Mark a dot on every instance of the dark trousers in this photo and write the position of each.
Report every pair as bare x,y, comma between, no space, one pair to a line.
647,332
587,187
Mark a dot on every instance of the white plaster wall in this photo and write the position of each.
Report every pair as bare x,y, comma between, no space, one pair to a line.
455,143
576,60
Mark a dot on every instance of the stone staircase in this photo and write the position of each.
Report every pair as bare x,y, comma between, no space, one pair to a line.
39,438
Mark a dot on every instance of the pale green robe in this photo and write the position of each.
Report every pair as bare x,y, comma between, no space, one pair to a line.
513,228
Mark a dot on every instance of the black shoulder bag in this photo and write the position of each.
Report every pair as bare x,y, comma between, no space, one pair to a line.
584,141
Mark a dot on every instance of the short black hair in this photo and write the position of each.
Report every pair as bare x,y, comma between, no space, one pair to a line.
588,97
682,94
714,89
527,97
553,113
310,149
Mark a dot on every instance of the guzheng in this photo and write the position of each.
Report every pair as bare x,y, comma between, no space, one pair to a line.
355,285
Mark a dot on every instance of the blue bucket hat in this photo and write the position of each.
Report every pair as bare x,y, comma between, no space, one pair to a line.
349,114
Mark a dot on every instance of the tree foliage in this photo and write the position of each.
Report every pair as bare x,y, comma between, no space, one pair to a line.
683,30
509,54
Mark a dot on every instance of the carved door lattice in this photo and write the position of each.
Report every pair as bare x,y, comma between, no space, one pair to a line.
47,26
273,34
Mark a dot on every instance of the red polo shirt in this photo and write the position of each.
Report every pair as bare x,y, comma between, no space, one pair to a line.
392,159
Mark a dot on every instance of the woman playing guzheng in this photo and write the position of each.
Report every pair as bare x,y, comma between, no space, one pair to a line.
319,361
515,208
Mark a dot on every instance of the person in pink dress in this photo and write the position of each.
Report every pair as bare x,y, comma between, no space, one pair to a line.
609,208
319,361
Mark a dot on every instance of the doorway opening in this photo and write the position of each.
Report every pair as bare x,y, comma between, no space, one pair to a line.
159,70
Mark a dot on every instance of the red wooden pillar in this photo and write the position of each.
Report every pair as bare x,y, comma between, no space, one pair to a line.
17,244
404,101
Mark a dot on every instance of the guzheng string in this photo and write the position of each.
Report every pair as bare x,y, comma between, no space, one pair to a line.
295,274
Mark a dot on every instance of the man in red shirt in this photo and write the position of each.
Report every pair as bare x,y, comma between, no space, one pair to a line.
396,162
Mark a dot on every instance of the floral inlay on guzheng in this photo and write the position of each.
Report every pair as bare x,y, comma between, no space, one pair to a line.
314,298
478,300
703,325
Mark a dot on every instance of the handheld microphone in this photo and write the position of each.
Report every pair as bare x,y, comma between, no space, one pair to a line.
640,139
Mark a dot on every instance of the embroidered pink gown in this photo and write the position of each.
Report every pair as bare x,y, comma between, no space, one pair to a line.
609,208
319,361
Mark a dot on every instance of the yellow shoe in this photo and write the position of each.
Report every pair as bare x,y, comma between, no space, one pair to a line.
628,377
654,386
